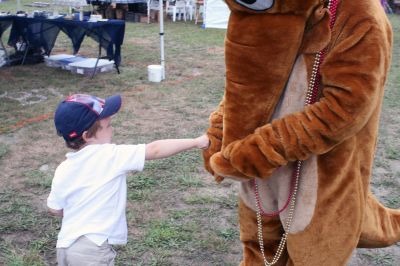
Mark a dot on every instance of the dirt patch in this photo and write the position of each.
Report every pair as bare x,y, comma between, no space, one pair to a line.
139,41
216,50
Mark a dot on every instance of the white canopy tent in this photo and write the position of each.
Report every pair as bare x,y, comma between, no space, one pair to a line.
216,14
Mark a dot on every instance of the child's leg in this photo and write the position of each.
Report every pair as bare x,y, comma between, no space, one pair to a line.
84,252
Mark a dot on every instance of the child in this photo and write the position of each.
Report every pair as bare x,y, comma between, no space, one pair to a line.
89,187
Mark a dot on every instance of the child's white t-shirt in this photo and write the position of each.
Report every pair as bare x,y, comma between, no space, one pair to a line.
90,187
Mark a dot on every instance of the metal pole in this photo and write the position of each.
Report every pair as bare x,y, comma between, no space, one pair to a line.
161,19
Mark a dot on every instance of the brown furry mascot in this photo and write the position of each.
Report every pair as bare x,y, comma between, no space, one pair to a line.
298,126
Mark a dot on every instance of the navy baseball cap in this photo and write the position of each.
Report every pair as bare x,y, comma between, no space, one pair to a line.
79,112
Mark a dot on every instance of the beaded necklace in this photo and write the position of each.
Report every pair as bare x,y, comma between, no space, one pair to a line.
311,97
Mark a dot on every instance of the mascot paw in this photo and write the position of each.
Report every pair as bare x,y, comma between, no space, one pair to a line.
223,169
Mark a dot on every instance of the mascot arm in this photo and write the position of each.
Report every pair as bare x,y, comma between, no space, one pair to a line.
214,133
351,74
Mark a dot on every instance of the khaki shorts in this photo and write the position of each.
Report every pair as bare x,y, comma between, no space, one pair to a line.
84,252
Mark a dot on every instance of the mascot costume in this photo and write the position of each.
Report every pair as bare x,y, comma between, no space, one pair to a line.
298,125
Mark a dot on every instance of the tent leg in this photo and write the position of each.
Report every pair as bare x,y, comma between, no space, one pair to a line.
25,54
97,61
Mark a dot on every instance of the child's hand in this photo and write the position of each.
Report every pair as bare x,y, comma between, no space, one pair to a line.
202,142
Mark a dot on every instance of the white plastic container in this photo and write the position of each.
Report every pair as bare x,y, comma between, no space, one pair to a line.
155,73
67,61
54,60
87,67
3,59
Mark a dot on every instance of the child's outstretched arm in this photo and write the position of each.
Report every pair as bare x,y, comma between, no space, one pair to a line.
168,147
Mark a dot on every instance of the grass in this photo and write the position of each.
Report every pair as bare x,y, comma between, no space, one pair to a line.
393,153
393,201
39,179
167,235
384,260
201,199
388,153
12,257
186,180
3,150
16,214
229,234
177,215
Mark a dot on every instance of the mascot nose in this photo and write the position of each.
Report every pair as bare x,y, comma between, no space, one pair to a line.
256,5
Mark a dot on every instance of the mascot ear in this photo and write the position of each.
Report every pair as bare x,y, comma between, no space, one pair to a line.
318,33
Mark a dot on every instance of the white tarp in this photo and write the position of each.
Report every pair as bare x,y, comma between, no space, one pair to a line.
216,14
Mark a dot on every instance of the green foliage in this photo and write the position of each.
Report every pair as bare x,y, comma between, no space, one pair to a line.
40,179
213,242
186,180
392,153
229,233
176,215
165,234
140,194
380,259
231,202
3,149
16,214
141,181
201,199
10,256
393,201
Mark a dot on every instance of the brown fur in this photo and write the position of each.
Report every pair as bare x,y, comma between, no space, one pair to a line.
340,129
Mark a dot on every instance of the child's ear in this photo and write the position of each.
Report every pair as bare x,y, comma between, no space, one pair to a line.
85,136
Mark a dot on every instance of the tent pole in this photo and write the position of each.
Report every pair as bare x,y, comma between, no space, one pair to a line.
161,19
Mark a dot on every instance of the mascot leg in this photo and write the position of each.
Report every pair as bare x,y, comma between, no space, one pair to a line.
381,225
272,234
305,248
312,249
379,228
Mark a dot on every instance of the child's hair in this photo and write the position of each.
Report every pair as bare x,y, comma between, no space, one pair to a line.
79,142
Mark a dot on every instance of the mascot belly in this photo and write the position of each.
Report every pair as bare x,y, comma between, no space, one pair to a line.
304,166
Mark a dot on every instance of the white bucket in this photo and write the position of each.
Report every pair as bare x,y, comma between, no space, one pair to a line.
155,73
